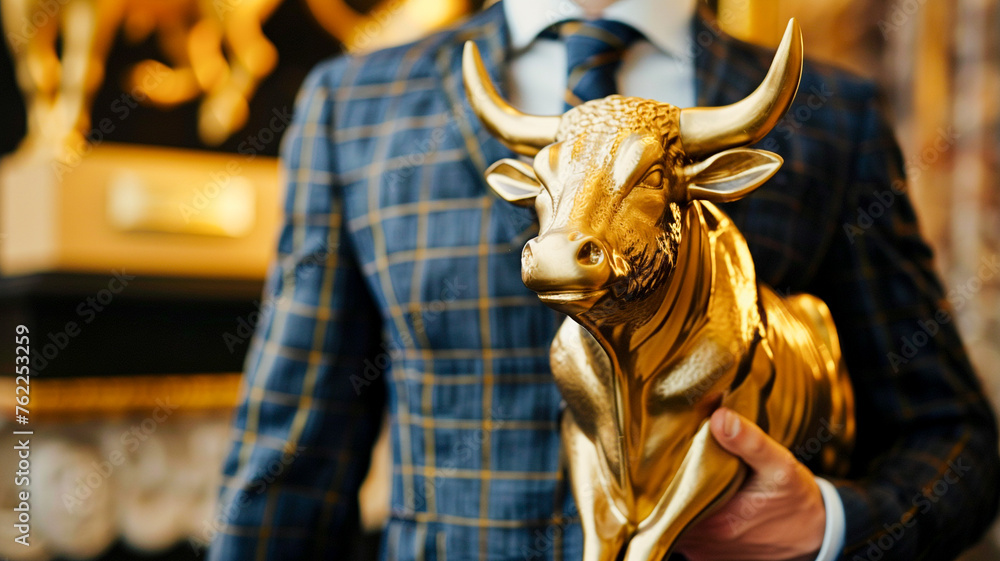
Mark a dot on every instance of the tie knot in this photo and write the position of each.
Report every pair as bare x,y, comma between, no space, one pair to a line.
594,36
594,51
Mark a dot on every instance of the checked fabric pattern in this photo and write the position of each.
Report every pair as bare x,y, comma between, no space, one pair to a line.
396,285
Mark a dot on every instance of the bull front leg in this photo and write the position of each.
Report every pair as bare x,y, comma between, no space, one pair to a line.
605,528
582,371
708,477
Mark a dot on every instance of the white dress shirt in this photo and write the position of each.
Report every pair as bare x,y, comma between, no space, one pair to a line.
661,67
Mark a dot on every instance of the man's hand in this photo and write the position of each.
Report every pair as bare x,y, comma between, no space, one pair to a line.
778,514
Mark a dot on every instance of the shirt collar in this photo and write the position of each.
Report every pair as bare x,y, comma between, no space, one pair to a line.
665,23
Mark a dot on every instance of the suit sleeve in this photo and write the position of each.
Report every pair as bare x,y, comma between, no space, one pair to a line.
313,394
924,480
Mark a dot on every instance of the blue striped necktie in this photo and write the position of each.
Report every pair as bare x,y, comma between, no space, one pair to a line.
594,51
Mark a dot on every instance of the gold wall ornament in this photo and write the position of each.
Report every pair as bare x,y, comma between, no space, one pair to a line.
62,398
132,207
666,319
214,50
217,50
390,22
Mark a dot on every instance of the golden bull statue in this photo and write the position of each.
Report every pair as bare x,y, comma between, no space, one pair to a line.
667,321
216,50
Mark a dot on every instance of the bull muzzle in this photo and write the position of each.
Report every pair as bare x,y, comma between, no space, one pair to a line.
565,262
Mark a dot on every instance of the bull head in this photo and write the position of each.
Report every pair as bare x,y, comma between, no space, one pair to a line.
610,178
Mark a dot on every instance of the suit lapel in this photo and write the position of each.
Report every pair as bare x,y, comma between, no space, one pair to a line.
488,30
713,71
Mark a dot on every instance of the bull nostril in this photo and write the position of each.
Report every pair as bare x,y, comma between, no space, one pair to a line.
590,254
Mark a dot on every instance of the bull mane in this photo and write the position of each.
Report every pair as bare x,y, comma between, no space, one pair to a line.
615,113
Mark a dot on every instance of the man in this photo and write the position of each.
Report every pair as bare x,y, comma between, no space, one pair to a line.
397,282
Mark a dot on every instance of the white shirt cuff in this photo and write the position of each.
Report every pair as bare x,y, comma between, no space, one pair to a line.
836,526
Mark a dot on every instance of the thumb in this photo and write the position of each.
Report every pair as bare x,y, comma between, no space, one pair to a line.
744,439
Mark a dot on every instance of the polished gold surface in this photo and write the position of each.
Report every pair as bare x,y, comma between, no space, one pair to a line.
524,134
388,23
709,130
666,319
213,51
135,209
58,84
219,54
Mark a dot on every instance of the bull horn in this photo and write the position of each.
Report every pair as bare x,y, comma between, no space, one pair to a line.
522,133
705,131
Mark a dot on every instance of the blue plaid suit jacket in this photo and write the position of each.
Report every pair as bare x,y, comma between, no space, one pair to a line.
397,284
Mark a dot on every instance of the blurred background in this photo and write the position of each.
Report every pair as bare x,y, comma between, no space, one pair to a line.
139,200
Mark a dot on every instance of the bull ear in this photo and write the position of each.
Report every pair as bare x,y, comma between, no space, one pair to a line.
514,181
731,175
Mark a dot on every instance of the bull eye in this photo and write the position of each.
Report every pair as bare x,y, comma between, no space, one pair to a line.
590,254
653,179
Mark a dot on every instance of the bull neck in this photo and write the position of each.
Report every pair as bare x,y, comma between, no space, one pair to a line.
678,308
